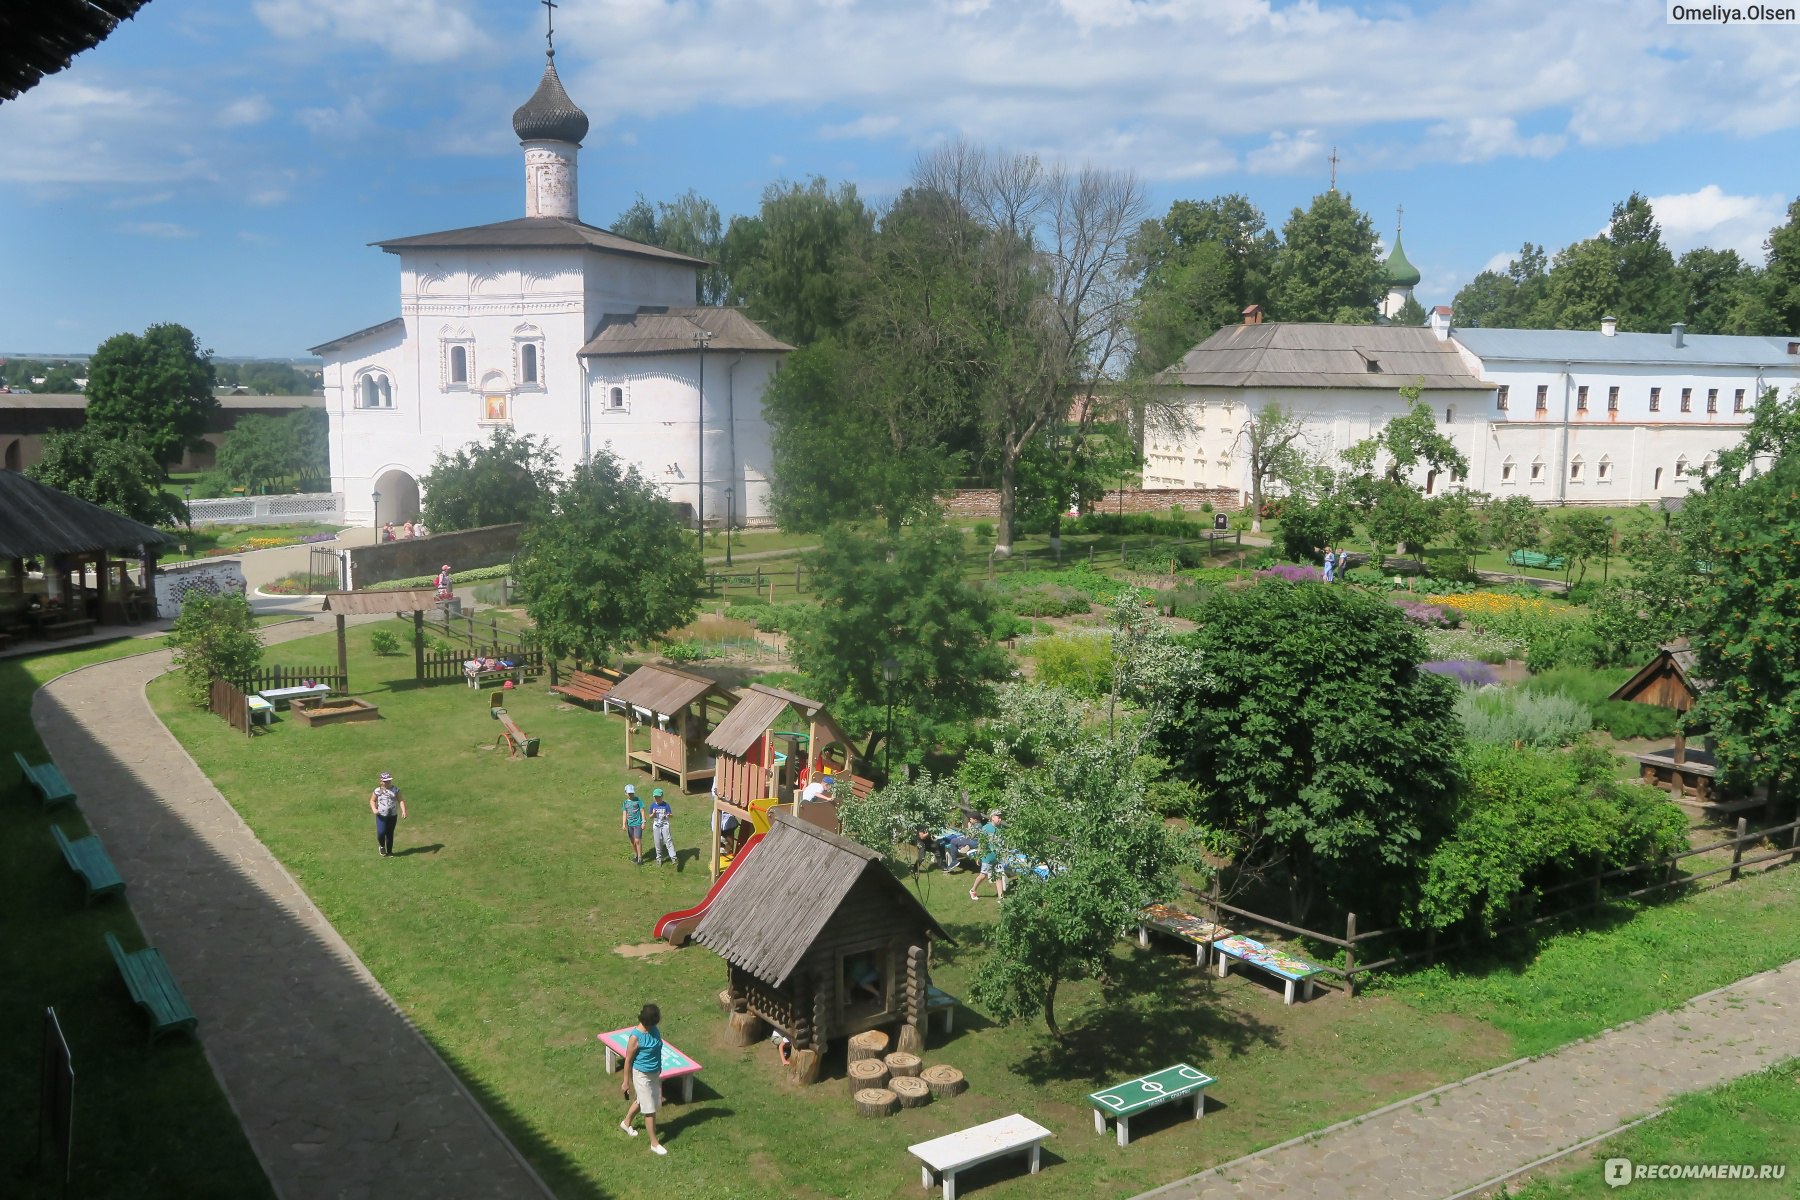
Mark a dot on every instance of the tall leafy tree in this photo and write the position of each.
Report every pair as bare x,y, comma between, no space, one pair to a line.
1713,285
1783,279
156,388
1203,263
113,472
1509,299
1386,477
1312,734
787,264
1627,272
215,637
899,596
1328,268
1273,440
1579,536
510,477
688,224
609,566
1514,523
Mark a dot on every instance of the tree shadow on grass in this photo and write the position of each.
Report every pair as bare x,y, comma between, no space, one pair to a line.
1157,1010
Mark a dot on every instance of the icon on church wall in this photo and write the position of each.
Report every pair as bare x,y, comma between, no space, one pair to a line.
496,406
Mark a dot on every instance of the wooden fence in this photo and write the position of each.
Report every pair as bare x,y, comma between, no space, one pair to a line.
444,666
476,634
1593,887
228,702
265,678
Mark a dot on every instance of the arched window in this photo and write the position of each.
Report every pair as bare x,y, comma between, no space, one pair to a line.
528,363
1537,469
374,390
1576,466
616,398
459,365
1656,481
1509,470
1681,467
1603,472
1706,464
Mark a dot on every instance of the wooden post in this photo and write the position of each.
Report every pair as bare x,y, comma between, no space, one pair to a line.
419,644
1121,550
1350,953
343,661
1737,847
796,579
1090,554
1212,900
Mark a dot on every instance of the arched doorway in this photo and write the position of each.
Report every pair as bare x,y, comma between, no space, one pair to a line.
399,496
204,456
15,455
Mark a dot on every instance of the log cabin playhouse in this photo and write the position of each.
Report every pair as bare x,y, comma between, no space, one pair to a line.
794,921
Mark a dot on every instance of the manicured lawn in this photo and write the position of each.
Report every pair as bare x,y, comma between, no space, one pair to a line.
203,538
501,933
1749,1121
148,1122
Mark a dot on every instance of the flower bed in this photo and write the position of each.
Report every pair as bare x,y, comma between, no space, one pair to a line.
1463,670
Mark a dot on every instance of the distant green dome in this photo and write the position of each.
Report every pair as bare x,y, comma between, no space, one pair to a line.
1400,272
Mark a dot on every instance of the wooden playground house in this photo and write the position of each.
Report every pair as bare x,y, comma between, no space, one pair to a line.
1670,681
801,924
679,709
758,762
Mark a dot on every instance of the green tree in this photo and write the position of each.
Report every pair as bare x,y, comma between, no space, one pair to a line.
1328,268
510,477
689,225
1507,299
1272,439
1627,272
261,451
899,596
59,381
1579,536
157,388
609,565
1397,513
115,473
788,264
1713,284
311,431
1459,514
1203,263
215,637
1783,271
1514,523
1314,737
1411,313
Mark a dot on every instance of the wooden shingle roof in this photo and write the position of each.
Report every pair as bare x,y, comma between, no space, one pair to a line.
775,906
38,521
662,690
397,600
758,706
44,36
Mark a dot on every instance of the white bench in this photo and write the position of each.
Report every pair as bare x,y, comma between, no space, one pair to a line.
955,1152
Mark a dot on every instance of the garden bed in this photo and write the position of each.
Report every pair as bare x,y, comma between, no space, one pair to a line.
338,710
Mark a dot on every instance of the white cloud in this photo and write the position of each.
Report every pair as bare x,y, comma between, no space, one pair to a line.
156,229
81,130
1286,153
1712,217
1480,139
863,127
1501,261
247,110
352,119
412,30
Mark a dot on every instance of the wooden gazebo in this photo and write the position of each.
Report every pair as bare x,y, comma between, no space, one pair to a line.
678,708
67,561
799,922
398,601
1671,680
757,762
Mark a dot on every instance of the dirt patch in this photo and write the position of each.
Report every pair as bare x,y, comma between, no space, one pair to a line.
643,950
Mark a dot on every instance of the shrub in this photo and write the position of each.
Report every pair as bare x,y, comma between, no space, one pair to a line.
438,645
1007,625
685,652
1589,686
1573,644
984,531
1051,600
1629,719
1463,670
1101,589
1477,644
1078,662
1519,718
1206,506
384,643
1293,573
214,638
472,575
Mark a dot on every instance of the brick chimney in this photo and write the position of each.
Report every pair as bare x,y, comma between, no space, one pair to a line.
1253,315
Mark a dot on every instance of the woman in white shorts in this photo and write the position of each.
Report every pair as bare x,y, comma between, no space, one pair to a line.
643,1075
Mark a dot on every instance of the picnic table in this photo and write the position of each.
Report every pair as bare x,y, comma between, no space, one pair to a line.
1178,922
675,1064
956,1151
1536,559
1276,962
287,695
1124,1101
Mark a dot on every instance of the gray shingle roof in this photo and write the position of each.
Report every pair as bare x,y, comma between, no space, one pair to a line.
1280,354
36,520
659,329
662,690
1592,346
550,115
535,233
775,906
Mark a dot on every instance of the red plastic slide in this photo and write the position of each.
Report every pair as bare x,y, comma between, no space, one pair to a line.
676,926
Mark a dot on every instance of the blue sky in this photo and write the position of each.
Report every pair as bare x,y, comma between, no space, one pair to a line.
223,163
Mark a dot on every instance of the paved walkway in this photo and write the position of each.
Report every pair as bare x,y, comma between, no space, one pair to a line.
1469,1136
340,1095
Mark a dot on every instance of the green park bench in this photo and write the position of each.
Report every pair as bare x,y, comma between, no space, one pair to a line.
151,985
87,858
1124,1101
1536,560
51,787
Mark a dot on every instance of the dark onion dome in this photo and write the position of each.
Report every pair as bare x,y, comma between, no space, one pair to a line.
1400,272
550,116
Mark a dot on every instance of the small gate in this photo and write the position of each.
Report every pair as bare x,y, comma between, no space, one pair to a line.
325,570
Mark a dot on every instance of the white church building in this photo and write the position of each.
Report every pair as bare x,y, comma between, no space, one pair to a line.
1562,416
548,326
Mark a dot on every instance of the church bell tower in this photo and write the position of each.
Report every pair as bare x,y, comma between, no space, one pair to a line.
550,128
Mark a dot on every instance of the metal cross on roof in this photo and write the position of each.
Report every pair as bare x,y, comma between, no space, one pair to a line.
549,25
1334,159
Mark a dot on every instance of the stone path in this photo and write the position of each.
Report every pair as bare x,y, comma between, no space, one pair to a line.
1469,1136
340,1095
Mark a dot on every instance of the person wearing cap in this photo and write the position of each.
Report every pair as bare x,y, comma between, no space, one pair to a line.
442,582
631,820
990,859
660,836
385,802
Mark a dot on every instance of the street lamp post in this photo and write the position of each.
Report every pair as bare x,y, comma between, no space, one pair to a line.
730,521
376,520
890,675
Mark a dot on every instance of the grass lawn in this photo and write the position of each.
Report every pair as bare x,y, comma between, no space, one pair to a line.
1750,1121
501,928
203,538
148,1122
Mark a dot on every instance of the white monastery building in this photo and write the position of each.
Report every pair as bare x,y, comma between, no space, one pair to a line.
548,326
1562,416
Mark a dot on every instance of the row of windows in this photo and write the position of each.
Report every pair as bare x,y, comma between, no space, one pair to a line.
375,390
529,374
1603,470
1738,401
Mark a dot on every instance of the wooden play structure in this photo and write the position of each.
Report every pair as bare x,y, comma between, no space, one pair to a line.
1670,680
756,762
821,941
678,708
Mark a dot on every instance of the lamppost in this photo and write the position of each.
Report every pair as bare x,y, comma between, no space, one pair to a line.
730,521
890,675
376,521
187,498
1606,563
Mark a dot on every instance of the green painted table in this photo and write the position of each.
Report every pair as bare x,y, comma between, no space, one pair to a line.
1124,1101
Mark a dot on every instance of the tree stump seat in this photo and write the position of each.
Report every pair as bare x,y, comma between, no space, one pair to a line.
912,1091
944,1080
901,1063
870,1044
867,1073
876,1102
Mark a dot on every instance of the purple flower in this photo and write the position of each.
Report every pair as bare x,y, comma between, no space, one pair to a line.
1291,572
320,537
1463,670
1424,614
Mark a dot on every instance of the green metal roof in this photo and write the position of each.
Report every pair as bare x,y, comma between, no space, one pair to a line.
1400,272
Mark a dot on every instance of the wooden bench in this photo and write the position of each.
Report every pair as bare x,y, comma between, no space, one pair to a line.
87,858
586,688
1536,559
517,743
74,627
1126,1100
1279,963
262,712
51,787
937,1000
151,985
1177,922
954,1152
475,676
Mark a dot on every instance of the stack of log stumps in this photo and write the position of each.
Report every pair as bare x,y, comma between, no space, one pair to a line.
882,1083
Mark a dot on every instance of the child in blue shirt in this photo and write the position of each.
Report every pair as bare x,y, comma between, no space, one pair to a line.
631,820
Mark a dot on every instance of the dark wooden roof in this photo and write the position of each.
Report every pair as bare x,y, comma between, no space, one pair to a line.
1682,662
551,233
37,521
41,37
660,329
776,905
663,690
397,600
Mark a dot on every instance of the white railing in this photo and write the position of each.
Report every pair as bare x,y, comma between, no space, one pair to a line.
324,508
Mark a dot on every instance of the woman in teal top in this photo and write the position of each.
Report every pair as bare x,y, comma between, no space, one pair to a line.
643,1074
